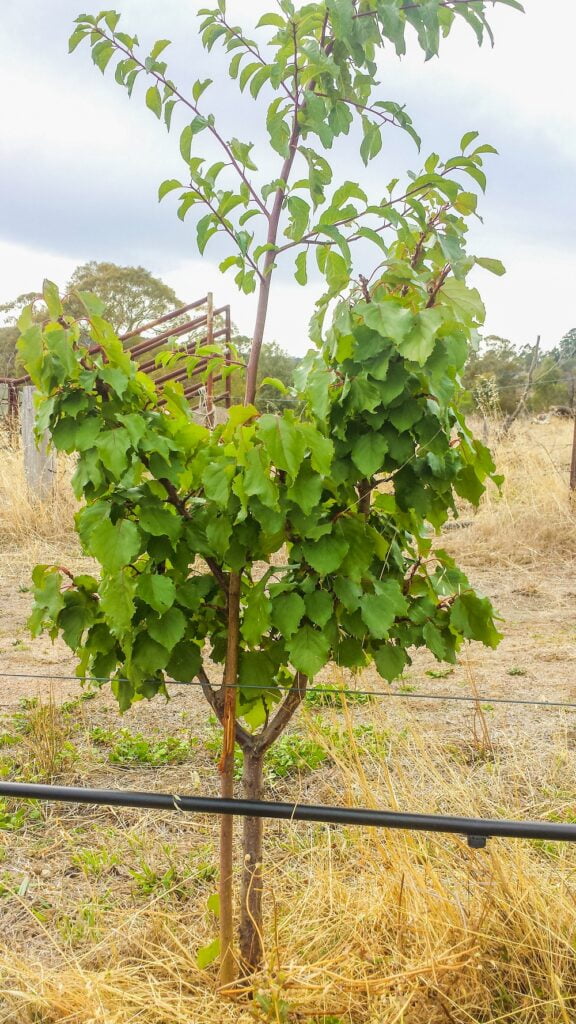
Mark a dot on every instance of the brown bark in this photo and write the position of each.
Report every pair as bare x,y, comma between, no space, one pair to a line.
251,948
251,923
227,962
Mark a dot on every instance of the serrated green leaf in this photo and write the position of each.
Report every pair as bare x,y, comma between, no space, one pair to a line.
256,615
309,650
51,297
169,628
325,555
283,441
472,617
494,266
368,453
160,522
319,607
157,591
390,661
113,447
390,319
115,545
185,662
168,186
380,609
288,610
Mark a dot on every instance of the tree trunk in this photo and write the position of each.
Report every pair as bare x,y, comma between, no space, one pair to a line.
251,949
227,963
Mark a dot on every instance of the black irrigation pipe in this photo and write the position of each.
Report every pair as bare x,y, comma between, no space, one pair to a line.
322,690
476,830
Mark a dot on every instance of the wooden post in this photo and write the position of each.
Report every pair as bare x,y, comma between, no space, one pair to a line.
210,341
228,358
573,466
39,463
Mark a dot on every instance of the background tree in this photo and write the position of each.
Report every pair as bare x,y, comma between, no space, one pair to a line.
500,369
132,297
275,364
188,524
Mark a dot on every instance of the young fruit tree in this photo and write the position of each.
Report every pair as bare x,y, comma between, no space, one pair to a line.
246,558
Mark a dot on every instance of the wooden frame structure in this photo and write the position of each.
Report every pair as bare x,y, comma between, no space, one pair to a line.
196,324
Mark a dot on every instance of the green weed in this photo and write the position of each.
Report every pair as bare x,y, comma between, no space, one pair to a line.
134,748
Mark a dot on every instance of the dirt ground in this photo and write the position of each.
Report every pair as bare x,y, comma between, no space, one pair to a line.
535,661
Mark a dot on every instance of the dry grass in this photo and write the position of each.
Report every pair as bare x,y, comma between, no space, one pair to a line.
363,926
534,517
26,522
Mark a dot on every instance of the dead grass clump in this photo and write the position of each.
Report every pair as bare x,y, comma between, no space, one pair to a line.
25,520
534,517
363,926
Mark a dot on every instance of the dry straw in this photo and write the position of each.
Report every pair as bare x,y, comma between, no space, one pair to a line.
364,926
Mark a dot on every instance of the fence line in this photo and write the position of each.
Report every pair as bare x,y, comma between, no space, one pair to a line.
322,690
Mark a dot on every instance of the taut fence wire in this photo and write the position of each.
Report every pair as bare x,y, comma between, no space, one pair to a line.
328,691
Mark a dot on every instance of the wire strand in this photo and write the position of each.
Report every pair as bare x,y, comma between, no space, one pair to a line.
322,690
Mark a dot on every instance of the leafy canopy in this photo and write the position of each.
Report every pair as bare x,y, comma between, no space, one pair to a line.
326,511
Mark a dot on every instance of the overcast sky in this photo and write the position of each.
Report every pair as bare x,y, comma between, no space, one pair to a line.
80,162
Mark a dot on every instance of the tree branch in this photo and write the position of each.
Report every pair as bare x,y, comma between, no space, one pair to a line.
275,727
215,699
194,108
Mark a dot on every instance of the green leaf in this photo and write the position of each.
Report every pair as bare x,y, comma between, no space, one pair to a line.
465,303
325,555
368,453
390,661
115,545
117,601
159,522
113,448
217,478
256,616
157,591
419,344
467,139
390,319
494,266
319,607
159,46
206,955
275,20
257,479
92,304
154,100
380,609
168,186
306,491
301,272
148,655
472,617
71,436
283,441
185,662
169,628
51,297
309,650
288,610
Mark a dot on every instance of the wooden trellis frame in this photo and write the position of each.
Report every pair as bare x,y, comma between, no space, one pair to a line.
196,324
197,330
